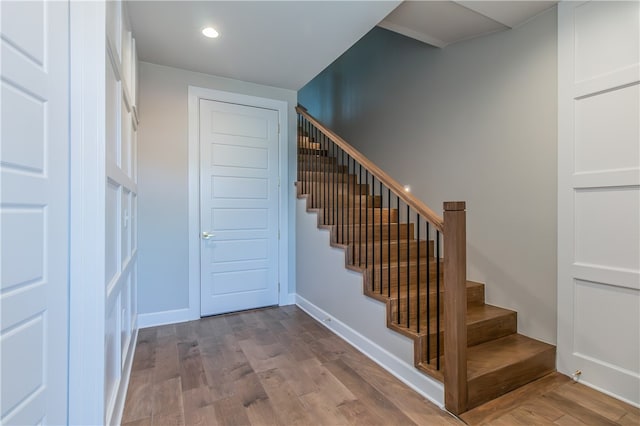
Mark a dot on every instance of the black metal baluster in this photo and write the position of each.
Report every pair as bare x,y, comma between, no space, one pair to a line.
398,254
408,270
353,228
325,178
366,220
428,298
438,300
320,182
316,188
306,163
389,242
336,177
334,188
344,239
373,234
300,165
360,214
348,201
381,240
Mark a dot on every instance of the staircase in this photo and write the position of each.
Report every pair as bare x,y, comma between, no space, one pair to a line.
415,262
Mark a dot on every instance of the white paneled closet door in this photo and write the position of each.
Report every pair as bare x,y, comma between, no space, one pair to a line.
34,208
599,195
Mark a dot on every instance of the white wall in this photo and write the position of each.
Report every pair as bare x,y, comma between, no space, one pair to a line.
163,179
477,122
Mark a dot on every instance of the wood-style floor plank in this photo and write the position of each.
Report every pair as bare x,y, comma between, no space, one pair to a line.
278,366
139,395
142,422
554,399
291,411
230,412
366,393
500,406
190,367
167,397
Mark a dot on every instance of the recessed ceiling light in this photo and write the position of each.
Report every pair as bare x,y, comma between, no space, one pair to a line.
210,32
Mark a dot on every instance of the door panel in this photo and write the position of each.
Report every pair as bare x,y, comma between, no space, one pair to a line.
34,212
238,207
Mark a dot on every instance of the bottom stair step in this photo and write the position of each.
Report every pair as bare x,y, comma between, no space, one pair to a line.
502,365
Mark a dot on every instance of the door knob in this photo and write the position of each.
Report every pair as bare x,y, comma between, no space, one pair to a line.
207,235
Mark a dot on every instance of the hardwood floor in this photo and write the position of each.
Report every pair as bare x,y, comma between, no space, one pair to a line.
279,366
264,367
554,400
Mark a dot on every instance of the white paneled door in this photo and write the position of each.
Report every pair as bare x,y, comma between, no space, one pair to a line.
599,195
34,212
238,207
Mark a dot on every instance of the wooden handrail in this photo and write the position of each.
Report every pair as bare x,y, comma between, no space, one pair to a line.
417,205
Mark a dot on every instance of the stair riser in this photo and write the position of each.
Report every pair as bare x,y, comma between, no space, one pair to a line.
352,216
320,200
413,282
309,178
313,159
475,294
372,232
312,146
407,250
319,167
342,189
389,254
302,151
306,140
501,381
308,153
477,333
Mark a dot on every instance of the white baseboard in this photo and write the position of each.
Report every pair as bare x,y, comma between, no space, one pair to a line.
166,317
289,299
408,374
115,416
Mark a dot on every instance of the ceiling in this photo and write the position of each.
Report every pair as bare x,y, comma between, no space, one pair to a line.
441,23
287,43
276,43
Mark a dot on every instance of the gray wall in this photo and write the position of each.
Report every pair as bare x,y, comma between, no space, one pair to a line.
476,121
163,262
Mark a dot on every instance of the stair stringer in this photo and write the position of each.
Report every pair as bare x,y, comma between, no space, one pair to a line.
335,297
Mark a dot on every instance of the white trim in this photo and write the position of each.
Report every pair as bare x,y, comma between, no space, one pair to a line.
195,94
408,374
118,407
173,316
289,300
87,231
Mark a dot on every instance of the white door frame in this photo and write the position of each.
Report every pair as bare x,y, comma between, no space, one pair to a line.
195,94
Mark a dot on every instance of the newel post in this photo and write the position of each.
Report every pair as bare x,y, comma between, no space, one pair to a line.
455,307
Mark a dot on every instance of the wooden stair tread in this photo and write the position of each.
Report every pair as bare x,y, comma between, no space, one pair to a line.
475,315
493,355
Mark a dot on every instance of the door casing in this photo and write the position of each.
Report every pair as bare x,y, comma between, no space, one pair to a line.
195,94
